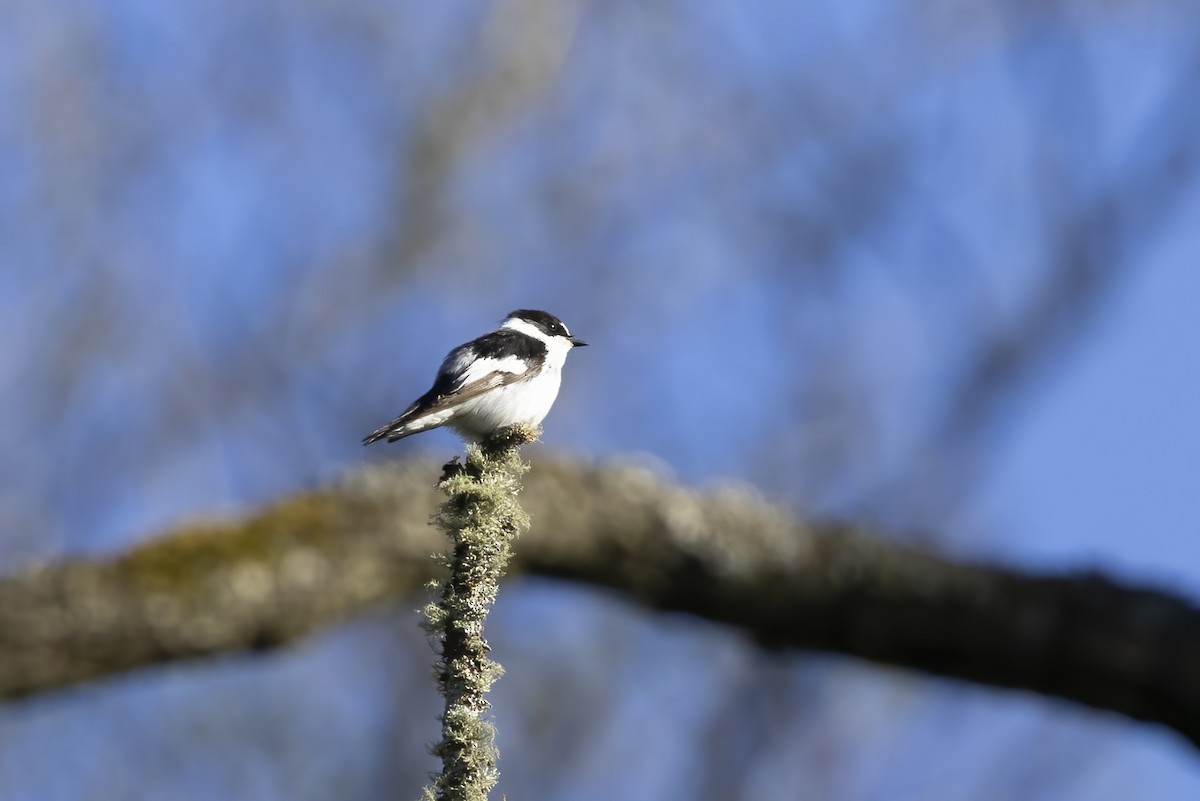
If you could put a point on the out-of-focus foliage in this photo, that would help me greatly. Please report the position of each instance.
(835, 249)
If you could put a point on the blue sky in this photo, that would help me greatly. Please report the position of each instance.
(1117, 423)
(237, 237)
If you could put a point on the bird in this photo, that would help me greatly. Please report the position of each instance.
(507, 376)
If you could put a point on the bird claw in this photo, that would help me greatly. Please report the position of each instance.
(452, 469)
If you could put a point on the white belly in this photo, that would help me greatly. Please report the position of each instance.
(523, 402)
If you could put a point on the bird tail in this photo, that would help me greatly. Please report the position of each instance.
(397, 429)
(381, 433)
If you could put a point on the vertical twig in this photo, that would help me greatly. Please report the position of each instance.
(481, 516)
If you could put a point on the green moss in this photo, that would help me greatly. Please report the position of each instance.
(482, 517)
(192, 556)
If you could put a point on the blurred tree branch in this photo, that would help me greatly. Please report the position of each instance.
(520, 50)
(1096, 237)
(728, 556)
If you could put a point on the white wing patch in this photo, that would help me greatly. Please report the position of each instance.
(481, 368)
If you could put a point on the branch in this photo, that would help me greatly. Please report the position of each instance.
(729, 556)
(482, 517)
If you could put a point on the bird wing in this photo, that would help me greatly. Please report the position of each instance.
(463, 376)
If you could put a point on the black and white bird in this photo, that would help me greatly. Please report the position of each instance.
(508, 376)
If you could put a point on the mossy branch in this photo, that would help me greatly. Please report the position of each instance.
(307, 561)
(481, 516)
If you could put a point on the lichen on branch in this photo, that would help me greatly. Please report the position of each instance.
(482, 516)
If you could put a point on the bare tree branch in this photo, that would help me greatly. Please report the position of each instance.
(727, 556)
(1096, 245)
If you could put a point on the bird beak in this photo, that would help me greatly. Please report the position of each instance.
(579, 343)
